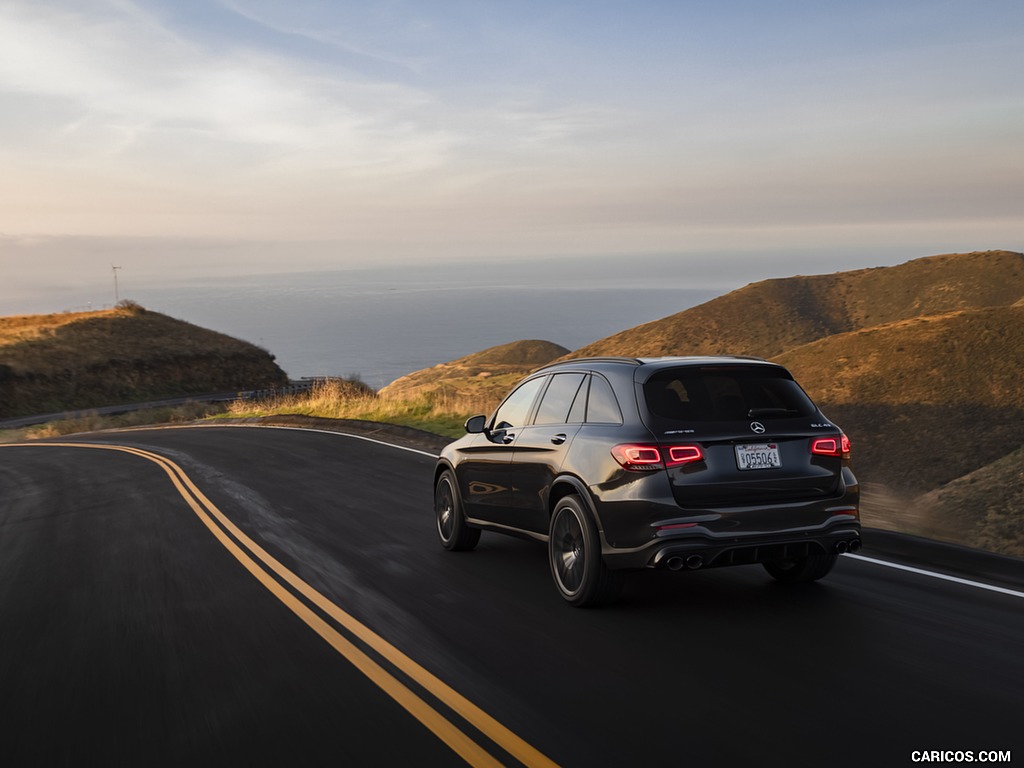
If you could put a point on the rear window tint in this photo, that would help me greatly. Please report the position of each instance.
(725, 394)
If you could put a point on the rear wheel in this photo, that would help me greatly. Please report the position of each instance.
(574, 552)
(802, 569)
(452, 529)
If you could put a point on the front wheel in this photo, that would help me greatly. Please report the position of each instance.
(802, 569)
(574, 553)
(452, 529)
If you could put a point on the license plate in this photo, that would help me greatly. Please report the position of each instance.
(759, 456)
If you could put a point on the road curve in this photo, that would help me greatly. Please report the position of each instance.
(132, 634)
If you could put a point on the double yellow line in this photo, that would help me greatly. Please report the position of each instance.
(248, 552)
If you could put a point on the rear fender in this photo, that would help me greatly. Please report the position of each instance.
(569, 485)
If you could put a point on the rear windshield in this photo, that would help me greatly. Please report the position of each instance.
(725, 393)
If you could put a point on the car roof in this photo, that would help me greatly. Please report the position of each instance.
(654, 363)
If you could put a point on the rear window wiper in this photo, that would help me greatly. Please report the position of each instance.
(755, 413)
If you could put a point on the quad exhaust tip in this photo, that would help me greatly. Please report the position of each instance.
(847, 546)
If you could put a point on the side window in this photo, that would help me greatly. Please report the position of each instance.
(558, 399)
(602, 407)
(516, 408)
(578, 412)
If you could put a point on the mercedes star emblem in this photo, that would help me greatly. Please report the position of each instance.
(757, 426)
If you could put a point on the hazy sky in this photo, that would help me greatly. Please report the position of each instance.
(221, 134)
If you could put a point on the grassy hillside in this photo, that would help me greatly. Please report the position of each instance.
(966, 357)
(478, 381)
(770, 317)
(80, 360)
(985, 507)
(919, 363)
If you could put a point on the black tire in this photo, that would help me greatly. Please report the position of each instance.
(453, 531)
(574, 553)
(801, 570)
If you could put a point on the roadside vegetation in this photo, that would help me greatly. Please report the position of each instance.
(484, 376)
(93, 422)
(438, 412)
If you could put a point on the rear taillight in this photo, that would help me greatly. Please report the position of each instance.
(640, 458)
(837, 445)
(684, 454)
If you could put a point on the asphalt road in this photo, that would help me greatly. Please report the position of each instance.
(277, 597)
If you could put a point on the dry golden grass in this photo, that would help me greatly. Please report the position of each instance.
(19, 328)
(482, 376)
(441, 413)
(959, 358)
(770, 317)
(51, 344)
(73, 361)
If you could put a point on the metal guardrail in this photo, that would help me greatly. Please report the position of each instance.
(273, 392)
(296, 387)
(300, 386)
(304, 384)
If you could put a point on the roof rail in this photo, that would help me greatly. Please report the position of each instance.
(670, 358)
(645, 360)
(606, 359)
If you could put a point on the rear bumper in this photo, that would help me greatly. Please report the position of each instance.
(642, 526)
(704, 549)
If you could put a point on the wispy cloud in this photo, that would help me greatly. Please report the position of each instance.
(376, 32)
(115, 81)
(500, 125)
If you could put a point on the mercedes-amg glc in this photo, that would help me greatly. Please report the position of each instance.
(676, 463)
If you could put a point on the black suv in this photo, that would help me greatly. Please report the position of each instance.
(674, 462)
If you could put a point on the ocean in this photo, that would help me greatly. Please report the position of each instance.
(382, 324)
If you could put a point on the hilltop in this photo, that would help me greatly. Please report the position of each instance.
(772, 316)
(482, 376)
(69, 361)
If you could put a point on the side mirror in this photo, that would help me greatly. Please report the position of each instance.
(476, 424)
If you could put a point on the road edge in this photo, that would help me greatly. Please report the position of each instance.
(951, 559)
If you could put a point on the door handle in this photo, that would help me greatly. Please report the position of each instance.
(558, 439)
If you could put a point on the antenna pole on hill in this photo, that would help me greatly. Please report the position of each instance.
(114, 269)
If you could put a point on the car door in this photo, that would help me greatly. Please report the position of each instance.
(484, 471)
(540, 449)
